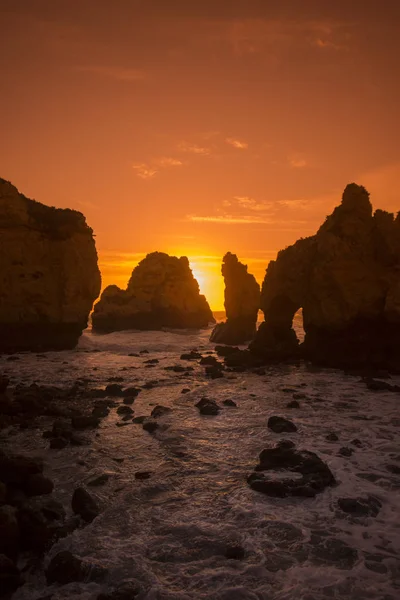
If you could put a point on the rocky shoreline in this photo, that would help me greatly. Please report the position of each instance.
(31, 521)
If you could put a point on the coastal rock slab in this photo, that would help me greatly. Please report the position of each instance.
(242, 301)
(345, 279)
(49, 277)
(161, 292)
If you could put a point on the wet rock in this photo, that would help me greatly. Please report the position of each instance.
(84, 505)
(214, 372)
(131, 392)
(334, 552)
(142, 474)
(149, 385)
(207, 407)
(395, 469)
(115, 379)
(151, 361)
(124, 410)
(293, 404)
(114, 390)
(58, 443)
(345, 451)
(3, 493)
(10, 578)
(281, 425)
(140, 419)
(229, 402)
(160, 411)
(41, 522)
(185, 390)
(356, 442)
(235, 552)
(360, 507)
(38, 485)
(66, 568)
(226, 350)
(210, 361)
(307, 475)
(150, 425)
(99, 480)
(376, 385)
(9, 531)
(176, 368)
(100, 410)
(285, 444)
(332, 437)
(4, 382)
(16, 469)
(192, 355)
(376, 567)
(127, 590)
(85, 422)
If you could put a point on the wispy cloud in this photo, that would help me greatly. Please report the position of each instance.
(169, 162)
(149, 170)
(251, 203)
(144, 171)
(239, 144)
(194, 148)
(296, 161)
(114, 72)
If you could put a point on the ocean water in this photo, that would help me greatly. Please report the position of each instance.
(170, 532)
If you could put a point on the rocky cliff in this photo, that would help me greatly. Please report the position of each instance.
(49, 276)
(242, 301)
(161, 292)
(346, 279)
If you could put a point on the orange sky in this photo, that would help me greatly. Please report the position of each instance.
(198, 127)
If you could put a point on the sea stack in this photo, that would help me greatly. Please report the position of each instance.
(161, 292)
(49, 276)
(346, 279)
(242, 302)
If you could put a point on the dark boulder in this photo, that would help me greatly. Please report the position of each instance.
(41, 522)
(281, 425)
(307, 474)
(84, 505)
(360, 507)
(208, 407)
(160, 411)
(10, 578)
(66, 568)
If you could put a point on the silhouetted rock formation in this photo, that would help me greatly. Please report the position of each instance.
(161, 292)
(346, 279)
(49, 276)
(242, 301)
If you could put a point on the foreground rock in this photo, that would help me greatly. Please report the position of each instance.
(307, 474)
(48, 274)
(161, 292)
(345, 278)
(242, 301)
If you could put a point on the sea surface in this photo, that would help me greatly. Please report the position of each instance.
(170, 532)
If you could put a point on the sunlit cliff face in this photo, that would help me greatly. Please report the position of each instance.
(197, 128)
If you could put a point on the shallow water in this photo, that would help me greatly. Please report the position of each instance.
(170, 532)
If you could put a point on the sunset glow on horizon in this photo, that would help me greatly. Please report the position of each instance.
(198, 128)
